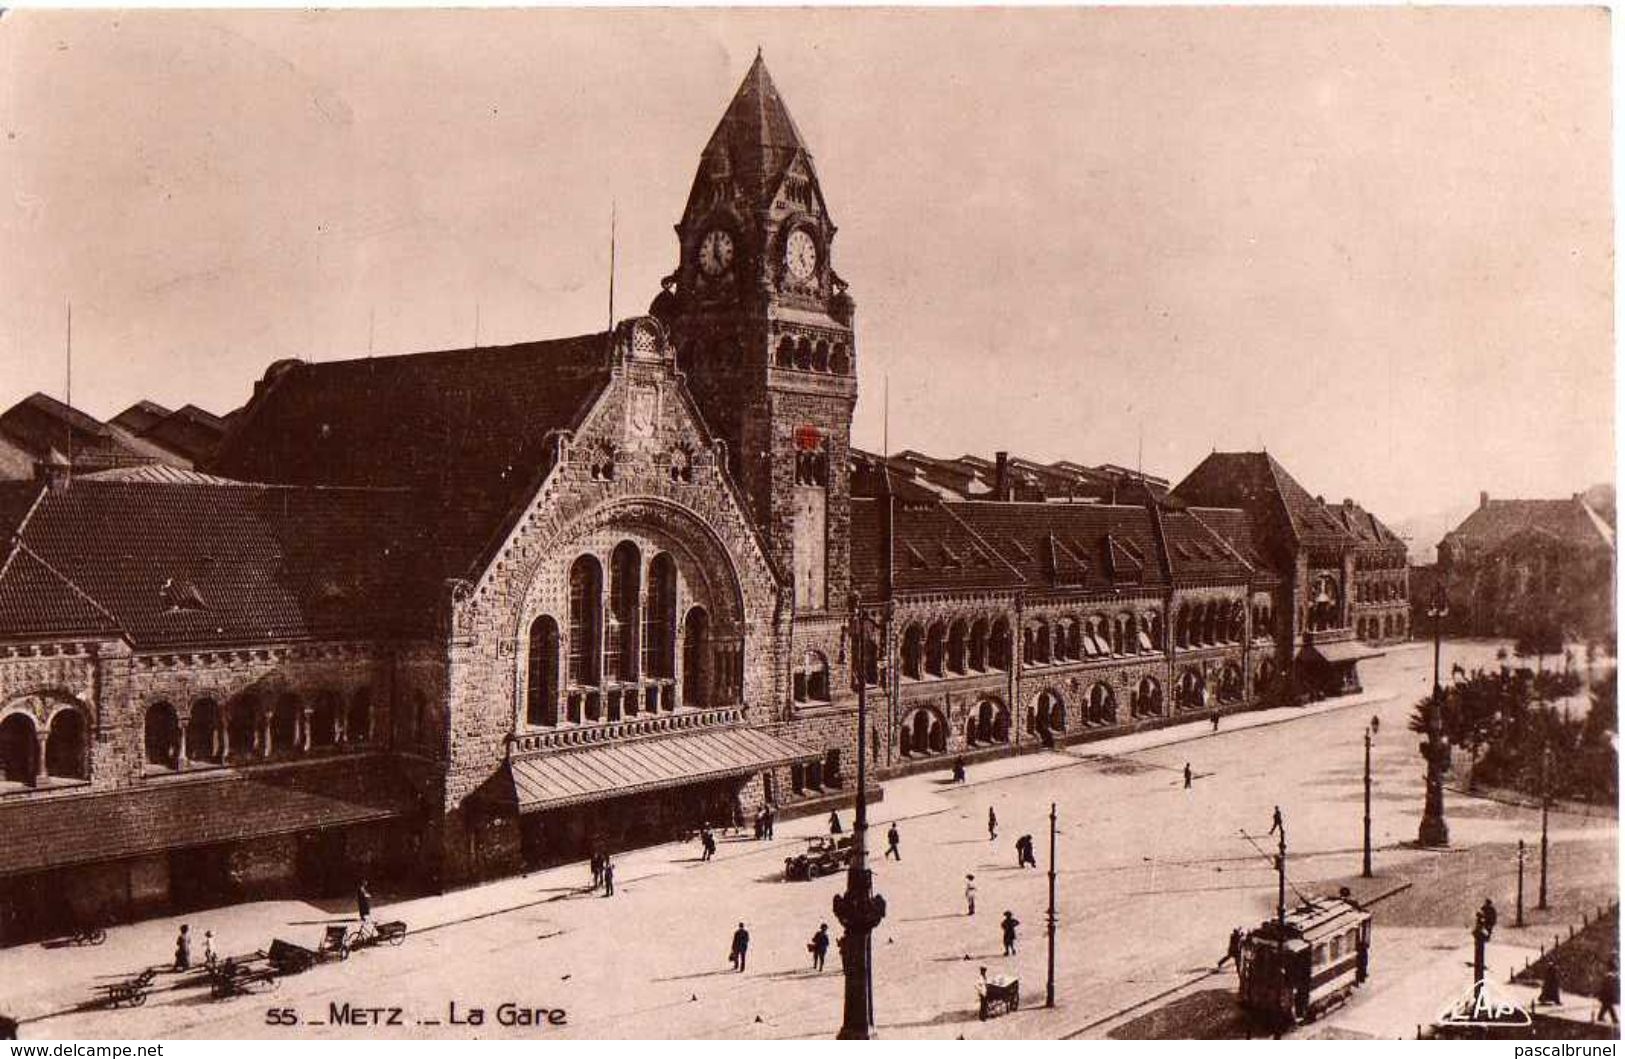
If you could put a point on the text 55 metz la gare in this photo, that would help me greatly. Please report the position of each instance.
(508, 1013)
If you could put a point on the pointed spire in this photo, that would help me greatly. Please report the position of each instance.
(756, 139)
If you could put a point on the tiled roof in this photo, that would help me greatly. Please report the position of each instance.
(467, 430)
(48, 429)
(195, 564)
(1195, 550)
(155, 472)
(1363, 525)
(1497, 521)
(933, 550)
(1255, 482)
(1092, 547)
(173, 814)
(1237, 530)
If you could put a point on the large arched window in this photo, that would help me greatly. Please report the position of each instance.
(914, 652)
(923, 732)
(990, 723)
(660, 619)
(956, 647)
(978, 645)
(1231, 685)
(936, 647)
(1035, 643)
(324, 719)
(542, 673)
(285, 724)
(1191, 693)
(696, 657)
(1051, 712)
(625, 596)
(203, 732)
(1147, 699)
(17, 748)
(243, 727)
(812, 678)
(161, 736)
(65, 746)
(358, 723)
(998, 646)
(1102, 707)
(586, 637)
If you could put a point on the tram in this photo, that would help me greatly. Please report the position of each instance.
(1304, 961)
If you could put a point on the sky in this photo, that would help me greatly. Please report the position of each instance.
(1377, 242)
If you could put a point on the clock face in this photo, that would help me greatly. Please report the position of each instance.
(800, 254)
(716, 252)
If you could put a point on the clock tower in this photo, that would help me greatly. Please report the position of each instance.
(763, 327)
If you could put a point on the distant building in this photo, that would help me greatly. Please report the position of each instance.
(40, 435)
(1512, 561)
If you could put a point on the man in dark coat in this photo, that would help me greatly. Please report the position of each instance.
(1608, 994)
(1233, 952)
(363, 901)
(741, 943)
(892, 838)
(1024, 852)
(834, 822)
(1008, 925)
(1489, 914)
(819, 946)
(1187, 775)
(609, 878)
(992, 824)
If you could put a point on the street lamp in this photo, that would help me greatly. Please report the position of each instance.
(1365, 866)
(1434, 831)
(1545, 808)
(859, 909)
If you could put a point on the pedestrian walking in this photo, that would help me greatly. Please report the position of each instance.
(1232, 952)
(597, 861)
(1187, 775)
(992, 824)
(183, 948)
(1215, 722)
(892, 838)
(209, 955)
(1024, 852)
(1008, 925)
(708, 844)
(970, 895)
(959, 770)
(609, 878)
(1608, 993)
(1489, 916)
(741, 943)
(761, 823)
(363, 901)
(772, 815)
(819, 945)
(1276, 824)
(1551, 986)
(834, 822)
(1376, 723)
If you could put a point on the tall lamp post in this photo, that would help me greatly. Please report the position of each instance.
(1365, 864)
(1434, 831)
(1050, 917)
(859, 909)
(1545, 809)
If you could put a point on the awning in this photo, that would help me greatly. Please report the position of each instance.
(555, 779)
(164, 813)
(1342, 651)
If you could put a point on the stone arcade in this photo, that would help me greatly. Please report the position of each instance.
(439, 617)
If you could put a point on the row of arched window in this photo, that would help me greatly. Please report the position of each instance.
(962, 647)
(805, 354)
(1379, 591)
(1207, 624)
(247, 728)
(1385, 628)
(1095, 636)
(621, 656)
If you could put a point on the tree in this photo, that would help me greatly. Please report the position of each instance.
(1539, 636)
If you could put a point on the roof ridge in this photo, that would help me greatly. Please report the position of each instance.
(1223, 543)
(22, 524)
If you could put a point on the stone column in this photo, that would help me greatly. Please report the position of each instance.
(40, 774)
(301, 737)
(265, 732)
(183, 723)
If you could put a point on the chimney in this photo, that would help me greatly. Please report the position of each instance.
(1483, 498)
(1001, 476)
(1347, 503)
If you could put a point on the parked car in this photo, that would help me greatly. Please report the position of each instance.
(823, 856)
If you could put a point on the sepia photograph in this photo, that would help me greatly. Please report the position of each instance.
(767, 524)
